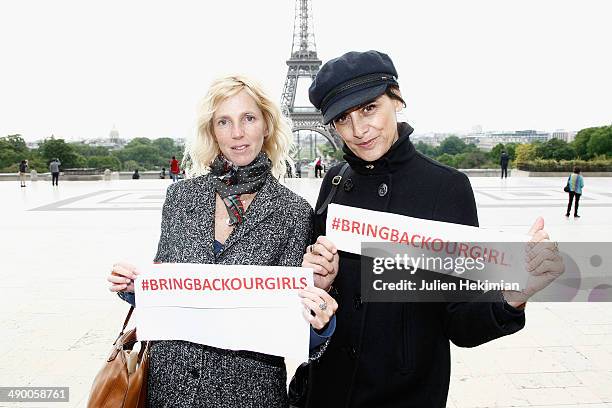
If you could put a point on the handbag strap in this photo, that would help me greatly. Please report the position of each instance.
(127, 319)
(335, 183)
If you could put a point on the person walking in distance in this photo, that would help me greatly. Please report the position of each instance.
(318, 168)
(54, 169)
(503, 161)
(174, 169)
(23, 169)
(575, 182)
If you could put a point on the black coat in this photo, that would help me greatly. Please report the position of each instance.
(398, 354)
(504, 159)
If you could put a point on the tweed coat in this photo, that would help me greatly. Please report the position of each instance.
(275, 231)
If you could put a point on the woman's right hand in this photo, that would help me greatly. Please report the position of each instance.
(322, 257)
(122, 277)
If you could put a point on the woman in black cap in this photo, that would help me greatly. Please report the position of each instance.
(393, 354)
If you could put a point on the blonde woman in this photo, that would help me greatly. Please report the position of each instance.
(231, 210)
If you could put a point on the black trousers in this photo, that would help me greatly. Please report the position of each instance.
(54, 178)
(569, 205)
(318, 171)
(504, 172)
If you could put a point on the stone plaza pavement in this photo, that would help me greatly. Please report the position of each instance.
(58, 318)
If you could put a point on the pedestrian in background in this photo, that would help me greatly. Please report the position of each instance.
(503, 162)
(575, 182)
(23, 168)
(54, 169)
(162, 174)
(318, 168)
(174, 169)
(135, 176)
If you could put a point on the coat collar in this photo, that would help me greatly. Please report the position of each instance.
(262, 206)
(396, 157)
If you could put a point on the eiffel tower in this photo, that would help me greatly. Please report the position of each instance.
(304, 63)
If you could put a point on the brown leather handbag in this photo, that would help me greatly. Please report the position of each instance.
(122, 381)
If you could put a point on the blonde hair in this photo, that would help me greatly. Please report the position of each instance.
(202, 149)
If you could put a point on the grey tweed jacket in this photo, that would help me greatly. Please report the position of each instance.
(276, 230)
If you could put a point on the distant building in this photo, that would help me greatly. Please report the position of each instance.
(561, 134)
(433, 139)
(114, 142)
(489, 140)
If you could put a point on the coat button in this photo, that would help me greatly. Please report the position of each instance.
(352, 353)
(382, 190)
(194, 373)
(348, 185)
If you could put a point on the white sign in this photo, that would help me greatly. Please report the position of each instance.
(237, 307)
(349, 227)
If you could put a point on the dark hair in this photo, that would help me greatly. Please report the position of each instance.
(393, 92)
(576, 169)
(173, 158)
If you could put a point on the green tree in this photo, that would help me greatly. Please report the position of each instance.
(511, 150)
(496, 152)
(525, 152)
(130, 165)
(138, 141)
(13, 150)
(600, 142)
(104, 162)
(452, 145)
(447, 159)
(165, 145)
(426, 149)
(555, 149)
(470, 160)
(581, 141)
(65, 152)
(147, 156)
(168, 147)
(86, 150)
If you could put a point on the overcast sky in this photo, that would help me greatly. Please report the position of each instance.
(76, 68)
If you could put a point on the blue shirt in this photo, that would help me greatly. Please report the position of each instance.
(576, 182)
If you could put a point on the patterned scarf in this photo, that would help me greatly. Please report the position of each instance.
(230, 181)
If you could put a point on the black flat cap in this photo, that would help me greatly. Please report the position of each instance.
(351, 80)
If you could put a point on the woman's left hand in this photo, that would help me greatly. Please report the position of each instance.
(543, 263)
(320, 303)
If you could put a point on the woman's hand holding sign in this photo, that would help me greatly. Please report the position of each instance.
(122, 277)
(322, 257)
(543, 263)
(319, 306)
